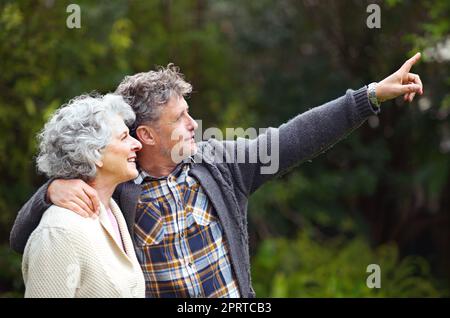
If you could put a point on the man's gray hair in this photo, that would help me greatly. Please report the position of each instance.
(72, 141)
(148, 92)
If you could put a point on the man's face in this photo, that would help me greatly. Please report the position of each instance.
(175, 129)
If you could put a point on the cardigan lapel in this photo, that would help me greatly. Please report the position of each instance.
(106, 224)
(127, 243)
(214, 194)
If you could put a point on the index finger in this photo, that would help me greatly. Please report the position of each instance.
(409, 63)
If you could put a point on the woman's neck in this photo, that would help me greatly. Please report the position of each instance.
(105, 188)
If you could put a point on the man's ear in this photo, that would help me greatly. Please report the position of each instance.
(146, 135)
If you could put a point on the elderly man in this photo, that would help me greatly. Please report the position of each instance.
(188, 215)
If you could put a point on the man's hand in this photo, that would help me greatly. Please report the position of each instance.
(401, 82)
(74, 195)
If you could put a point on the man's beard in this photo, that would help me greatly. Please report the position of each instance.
(187, 149)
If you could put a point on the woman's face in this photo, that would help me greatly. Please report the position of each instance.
(119, 156)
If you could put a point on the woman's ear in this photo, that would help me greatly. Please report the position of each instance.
(146, 135)
(99, 163)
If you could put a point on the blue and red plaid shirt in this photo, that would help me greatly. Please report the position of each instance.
(179, 239)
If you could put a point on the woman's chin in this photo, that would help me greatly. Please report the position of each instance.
(130, 174)
(133, 173)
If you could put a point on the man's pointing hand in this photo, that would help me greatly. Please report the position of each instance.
(402, 82)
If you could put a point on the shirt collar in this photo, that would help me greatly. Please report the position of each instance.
(144, 175)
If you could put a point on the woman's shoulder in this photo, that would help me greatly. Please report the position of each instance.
(56, 217)
(64, 227)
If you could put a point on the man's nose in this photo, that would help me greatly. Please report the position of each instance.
(136, 146)
(193, 123)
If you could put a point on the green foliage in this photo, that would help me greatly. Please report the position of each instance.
(311, 266)
(11, 282)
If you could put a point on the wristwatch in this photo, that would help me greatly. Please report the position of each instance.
(372, 95)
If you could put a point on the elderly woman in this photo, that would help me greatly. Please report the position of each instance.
(69, 255)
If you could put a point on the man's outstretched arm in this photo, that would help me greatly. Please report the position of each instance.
(315, 131)
(70, 194)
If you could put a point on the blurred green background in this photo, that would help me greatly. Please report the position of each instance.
(381, 196)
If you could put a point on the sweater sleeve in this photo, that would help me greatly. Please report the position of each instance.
(50, 266)
(302, 138)
(28, 218)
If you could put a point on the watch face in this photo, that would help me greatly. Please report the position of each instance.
(374, 101)
(372, 97)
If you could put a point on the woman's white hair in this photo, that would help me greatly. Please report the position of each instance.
(72, 141)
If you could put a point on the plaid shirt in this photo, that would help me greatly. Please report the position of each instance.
(179, 239)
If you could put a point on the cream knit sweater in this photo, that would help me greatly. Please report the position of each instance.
(71, 256)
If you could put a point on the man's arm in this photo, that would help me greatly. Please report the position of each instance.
(28, 218)
(302, 138)
(69, 194)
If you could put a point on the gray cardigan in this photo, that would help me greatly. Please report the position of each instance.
(229, 184)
